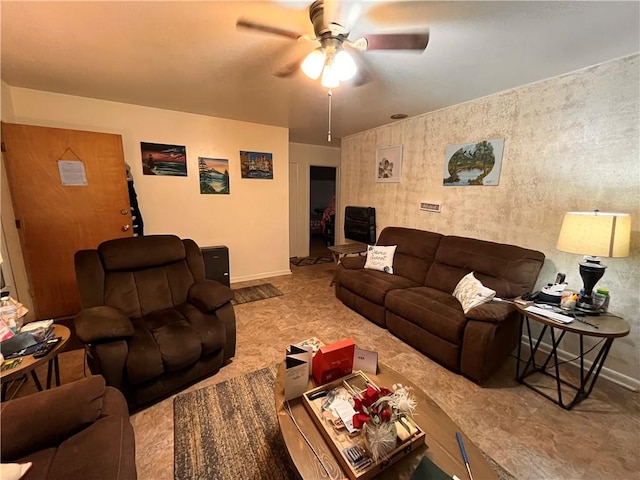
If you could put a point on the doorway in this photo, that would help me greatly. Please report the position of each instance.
(322, 194)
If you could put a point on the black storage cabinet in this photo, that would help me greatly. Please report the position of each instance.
(216, 263)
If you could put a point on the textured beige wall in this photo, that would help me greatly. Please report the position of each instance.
(571, 143)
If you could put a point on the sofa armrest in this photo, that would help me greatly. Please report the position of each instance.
(45, 419)
(102, 323)
(208, 295)
(353, 262)
(492, 312)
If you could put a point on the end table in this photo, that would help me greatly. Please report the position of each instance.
(606, 326)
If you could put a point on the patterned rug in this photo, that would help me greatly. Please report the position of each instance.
(305, 261)
(252, 294)
(230, 431)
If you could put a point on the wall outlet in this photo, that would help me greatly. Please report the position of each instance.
(431, 207)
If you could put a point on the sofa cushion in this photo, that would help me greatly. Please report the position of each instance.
(62, 412)
(415, 253)
(163, 341)
(142, 252)
(371, 284)
(430, 309)
(92, 453)
(380, 258)
(507, 269)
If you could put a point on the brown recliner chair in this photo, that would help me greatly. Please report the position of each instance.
(78, 430)
(151, 322)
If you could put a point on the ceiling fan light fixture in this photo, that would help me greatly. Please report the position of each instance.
(313, 64)
(344, 65)
(330, 78)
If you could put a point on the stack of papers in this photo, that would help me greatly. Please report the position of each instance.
(558, 317)
(27, 327)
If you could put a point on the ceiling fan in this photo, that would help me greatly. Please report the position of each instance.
(330, 59)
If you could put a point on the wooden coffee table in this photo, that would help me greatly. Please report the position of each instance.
(30, 363)
(440, 437)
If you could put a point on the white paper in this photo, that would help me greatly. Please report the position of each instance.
(72, 172)
(297, 372)
(346, 412)
(365, 360)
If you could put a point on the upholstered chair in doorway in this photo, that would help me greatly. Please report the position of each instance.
(151, 322)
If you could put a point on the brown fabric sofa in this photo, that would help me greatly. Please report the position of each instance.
(151, 321)
(416, 302)
(78, 430)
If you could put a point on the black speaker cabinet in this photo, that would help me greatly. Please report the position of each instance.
(216, 263)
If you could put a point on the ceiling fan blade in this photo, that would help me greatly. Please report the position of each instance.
(363, 74)
(241, 23)
(397, 41)
(289, 69)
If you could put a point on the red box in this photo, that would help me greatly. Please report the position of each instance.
(333, 361)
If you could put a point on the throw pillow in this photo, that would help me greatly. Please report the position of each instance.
(13, 471)
(470, 292)
(380, 258)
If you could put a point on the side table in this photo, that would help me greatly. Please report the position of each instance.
(608, 327)
(30, 363)
(339, 251)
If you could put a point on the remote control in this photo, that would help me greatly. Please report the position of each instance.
(46, 348)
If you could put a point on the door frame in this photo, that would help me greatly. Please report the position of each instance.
(13, 264)
(304, 156)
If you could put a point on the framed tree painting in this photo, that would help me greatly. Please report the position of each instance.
(388, 166)
(473, 163)
(214, 175)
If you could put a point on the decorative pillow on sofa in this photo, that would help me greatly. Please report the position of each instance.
(380, 258)
(470, 292)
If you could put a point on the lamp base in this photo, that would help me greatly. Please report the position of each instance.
(587, 308)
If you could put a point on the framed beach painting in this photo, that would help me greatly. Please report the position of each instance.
(256, 165)
(161, 159)
(214, 175)
(473, 163)
(388, 166)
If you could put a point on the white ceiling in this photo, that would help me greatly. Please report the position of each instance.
(188, 56)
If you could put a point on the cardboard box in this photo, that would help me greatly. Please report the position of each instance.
(333, 361)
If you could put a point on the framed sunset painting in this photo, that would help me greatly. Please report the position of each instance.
(166, 160)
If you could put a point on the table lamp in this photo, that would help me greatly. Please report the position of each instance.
(594, 234)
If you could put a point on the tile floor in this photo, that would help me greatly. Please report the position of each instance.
(524, 432)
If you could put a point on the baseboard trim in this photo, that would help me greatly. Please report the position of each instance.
(259, 276)
(616, 377)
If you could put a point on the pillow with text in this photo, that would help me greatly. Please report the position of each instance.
(380, 258)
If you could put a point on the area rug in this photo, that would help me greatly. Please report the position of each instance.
(230, 431)
(305, 261)
(252, 294)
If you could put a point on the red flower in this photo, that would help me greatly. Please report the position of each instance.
(385, 415)
(359, 419)
(366, 408)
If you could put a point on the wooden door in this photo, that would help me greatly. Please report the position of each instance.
(56, 214)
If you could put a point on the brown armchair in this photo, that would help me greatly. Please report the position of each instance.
(78, 430)
(151, 322)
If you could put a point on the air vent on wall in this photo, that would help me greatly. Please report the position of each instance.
(430, 207)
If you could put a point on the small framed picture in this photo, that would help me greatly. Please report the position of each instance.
(388, 166)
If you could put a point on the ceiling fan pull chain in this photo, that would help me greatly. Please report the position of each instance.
(330, 93)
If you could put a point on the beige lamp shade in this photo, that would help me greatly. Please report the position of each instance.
(598, 234)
